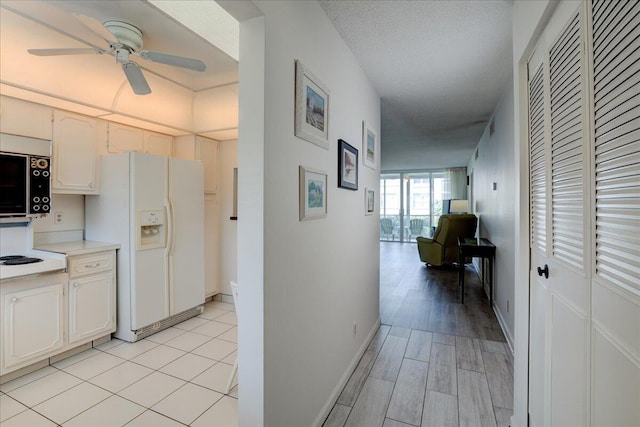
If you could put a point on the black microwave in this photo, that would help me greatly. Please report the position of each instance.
(25, 184)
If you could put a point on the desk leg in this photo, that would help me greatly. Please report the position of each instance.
(482, 279)
(461, 276)
(491, 281)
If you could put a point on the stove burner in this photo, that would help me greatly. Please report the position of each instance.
(8, 257)
(18, 260)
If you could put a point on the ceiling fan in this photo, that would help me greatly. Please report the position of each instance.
(124, 40)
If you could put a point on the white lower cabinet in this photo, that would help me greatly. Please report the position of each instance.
(48, 314)
(91, 311)
(91, 297)
(32, 320)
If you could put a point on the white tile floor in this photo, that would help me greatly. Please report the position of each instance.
(173, 378)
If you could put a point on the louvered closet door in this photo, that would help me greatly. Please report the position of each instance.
(559, 189)
(616, 280)
(537, 218)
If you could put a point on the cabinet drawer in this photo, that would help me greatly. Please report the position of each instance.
(89, 264)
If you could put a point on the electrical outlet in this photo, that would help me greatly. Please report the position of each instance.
(58, 218)
(355, 328)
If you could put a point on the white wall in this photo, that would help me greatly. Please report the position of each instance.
(227, 161)
(251, 248)
(497, 209)
(321, 276)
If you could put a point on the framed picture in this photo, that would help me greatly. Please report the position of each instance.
(369, 146)
(312, 108)
(313, 194)
(369, 201)
(347, 165)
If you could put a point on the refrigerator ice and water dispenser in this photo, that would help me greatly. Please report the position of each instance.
(151, 229)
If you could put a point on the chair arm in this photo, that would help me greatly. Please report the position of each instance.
(430, 251)
(421, 239)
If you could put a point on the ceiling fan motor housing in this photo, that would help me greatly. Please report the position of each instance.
(127, 34)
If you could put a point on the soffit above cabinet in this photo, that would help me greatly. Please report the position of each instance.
(95, 84)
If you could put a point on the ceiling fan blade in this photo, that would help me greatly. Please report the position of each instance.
(177, 61)
(69, 51)
(97, 27)
(136, 78)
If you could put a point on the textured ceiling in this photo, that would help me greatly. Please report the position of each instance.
(440, 68)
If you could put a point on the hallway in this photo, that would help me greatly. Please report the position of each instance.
(433, 362)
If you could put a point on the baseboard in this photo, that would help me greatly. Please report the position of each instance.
(503, 326)
(223, 298)
(501, 321)
(333, 397)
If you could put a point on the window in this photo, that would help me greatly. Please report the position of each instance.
(411, 204)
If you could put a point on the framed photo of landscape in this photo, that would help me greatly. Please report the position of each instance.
(369, 201)
(369, 146)
(313, 193)
(312, 108)
(347, 165)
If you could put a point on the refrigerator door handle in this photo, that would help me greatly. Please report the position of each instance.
(172, 229)
(169, 209)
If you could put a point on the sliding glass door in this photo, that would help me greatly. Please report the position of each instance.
(390, 206)
(411, 204)
(417, 212)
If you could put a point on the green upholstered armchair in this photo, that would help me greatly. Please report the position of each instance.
(443, 248)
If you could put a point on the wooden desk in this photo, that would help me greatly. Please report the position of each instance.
(478, 248)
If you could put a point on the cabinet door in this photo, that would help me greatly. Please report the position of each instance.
(91, 307)
(124, 138)
(157, 143)
(211, 245)
(208, 153)
(74, 154)
(24, 118)
(32, 324)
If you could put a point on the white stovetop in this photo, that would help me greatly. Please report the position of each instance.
(50, 262)
(54, 257)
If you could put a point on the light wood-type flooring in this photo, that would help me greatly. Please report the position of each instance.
(434, 361)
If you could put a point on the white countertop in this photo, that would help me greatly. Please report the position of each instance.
(79, 247)
(50, 262)
(54, 257)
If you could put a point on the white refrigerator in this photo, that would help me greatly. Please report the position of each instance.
(154, 207)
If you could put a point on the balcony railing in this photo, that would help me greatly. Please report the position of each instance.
(390, 228)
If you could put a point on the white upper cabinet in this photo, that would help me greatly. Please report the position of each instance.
(24, 118)
(127, 138)
(157, 143)
(124, 138)
(75, 158)
(208, 153)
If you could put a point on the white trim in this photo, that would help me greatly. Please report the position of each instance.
(498, 313)
(503, 326)
(333, 397)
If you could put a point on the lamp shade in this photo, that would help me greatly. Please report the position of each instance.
(459, 206)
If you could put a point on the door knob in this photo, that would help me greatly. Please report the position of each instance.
(544, 271)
